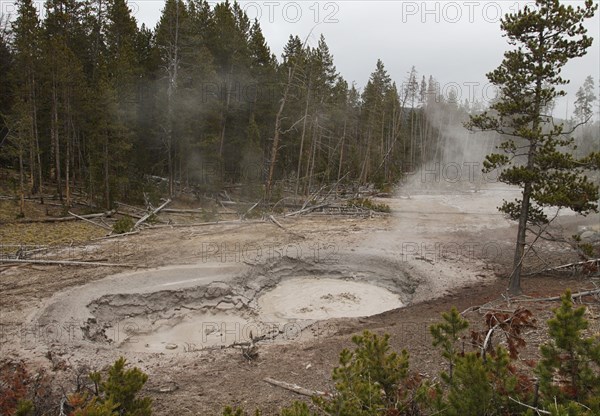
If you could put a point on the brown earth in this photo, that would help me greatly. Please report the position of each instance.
(201, 382)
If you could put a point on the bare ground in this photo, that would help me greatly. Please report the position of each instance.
(434, 252)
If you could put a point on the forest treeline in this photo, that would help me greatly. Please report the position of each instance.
(95, 104)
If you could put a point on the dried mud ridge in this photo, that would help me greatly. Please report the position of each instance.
(239, 297)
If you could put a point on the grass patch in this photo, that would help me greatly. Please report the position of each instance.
(367, 203)
(48, 233)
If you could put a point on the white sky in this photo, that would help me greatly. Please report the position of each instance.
(457, 42)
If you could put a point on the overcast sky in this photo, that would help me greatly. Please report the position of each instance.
(457, 42)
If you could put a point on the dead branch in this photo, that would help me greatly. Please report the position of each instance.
(154, 212)
(566, 266)
(90, 221)
(470, 309)
(203, 224)
(250, 210)
(115, 235)
(277, 223)
(295, 388)
(68, 263)
(182, 211)
(538, 411)
(553, 298)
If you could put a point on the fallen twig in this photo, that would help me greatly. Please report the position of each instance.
(295, 388)
(305, 210)
(277, 223)
(116, 235)
(68, 263)
(539, 411)
(61, 219)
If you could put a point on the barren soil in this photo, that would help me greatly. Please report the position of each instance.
(300, 292)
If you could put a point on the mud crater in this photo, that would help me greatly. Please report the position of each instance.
(274, 302)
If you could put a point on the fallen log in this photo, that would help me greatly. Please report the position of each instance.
(63, 219)
(204, 224)
(183, 211)
(68, 263)
(295, 388)
(305, 210)
(90, 221)
(154, 212)
(251, 208)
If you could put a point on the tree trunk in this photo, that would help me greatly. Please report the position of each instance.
(225, 111)
(56, 141)
(342, 152)
(302, 140)
(21, 181)
(106, 176)
(275, 146)
(514, 287)
(311, 171)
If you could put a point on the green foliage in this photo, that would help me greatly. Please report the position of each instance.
(230, 411)
(123, 225)
(367, 379)
(25, 408)
(446, 334)
(297, 409)
(117, 395)
(483, 387)
(570, 364)
(98, 407)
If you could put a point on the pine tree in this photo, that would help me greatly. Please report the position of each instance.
(27, 37)
(367, 379)
(374, 119)
(446, 335)
(169, 40)
(584, 102)
(570, 364)
(118, 394)
(546, 37)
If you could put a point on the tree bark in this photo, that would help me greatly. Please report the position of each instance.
(275, 146)
(514, 287)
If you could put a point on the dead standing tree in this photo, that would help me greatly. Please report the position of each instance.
(278, 118)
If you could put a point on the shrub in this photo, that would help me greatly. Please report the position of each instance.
(117, 396)
(367, 379)
(569, 368)
(123, 225)
(445, 335)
